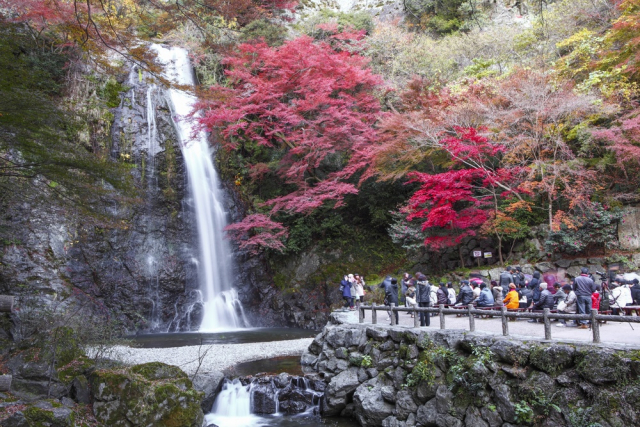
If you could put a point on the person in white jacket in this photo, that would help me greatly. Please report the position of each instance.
(615, 297)
(625, 296)
(358, 286)
(451, 293)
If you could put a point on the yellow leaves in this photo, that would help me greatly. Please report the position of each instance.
(520, 204)
(560, 218)
(501, 223)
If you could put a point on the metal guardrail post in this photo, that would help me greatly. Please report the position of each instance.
(441, 316)
(374, 314)
(472, 320)
(5, 382)
(6, 303)
(392, 314)
(547, 324)
(505, 321)
(595, 326)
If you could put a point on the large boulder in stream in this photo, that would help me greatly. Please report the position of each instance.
(152, 394)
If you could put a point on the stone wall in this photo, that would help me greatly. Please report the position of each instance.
(394, 376)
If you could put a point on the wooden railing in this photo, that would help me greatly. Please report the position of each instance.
(546, 316)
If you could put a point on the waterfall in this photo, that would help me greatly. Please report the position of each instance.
(222, 308)
(264, 399)
(233, 406)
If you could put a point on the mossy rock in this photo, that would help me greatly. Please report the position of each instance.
(552, 359)
(75, 368)
(150, 394)
(48, 413)
(158, 371)
(600, 367)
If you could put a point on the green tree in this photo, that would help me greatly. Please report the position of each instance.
(34, 147)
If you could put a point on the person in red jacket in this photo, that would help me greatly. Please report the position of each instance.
(595, 300)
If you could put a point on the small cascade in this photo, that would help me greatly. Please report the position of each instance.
(246, 401)
(232, 406)
(222, 306)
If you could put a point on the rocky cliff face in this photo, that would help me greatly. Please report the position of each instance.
(141, 267)
(393, 376)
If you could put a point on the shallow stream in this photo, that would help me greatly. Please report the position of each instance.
(241, 336)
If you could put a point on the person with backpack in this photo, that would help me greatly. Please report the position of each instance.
(518, 277)
(390, 286)
(423, 297)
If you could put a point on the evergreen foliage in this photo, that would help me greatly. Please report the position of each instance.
(34, 148)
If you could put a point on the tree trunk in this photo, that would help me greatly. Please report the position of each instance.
(6, 303)
(5, 382)
(500, 249)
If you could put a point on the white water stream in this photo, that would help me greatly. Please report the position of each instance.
(222, 308)
(233, 406)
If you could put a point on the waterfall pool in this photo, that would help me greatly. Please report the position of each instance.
(301, 420)
(241, 336)
(273, 366)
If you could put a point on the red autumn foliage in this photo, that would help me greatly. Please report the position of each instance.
(307, 102)
(257, 232)
(456, 203)
(623, 138)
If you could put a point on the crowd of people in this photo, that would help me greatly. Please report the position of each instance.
(512, 289)
(352, 288)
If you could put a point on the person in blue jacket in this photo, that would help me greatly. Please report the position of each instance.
(486, 297)
(345, 287)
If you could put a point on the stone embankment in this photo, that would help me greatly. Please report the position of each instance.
(401, 377)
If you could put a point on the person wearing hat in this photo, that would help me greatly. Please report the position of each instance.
(345, 288)
(546, 298)
(584, 287)
(512, 300)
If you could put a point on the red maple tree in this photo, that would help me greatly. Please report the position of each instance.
(457, 202)
(312, 106)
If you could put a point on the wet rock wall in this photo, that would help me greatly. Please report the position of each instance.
(393, 376)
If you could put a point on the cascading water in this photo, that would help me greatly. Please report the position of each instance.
(222, 308)
(233, 406)
(258, 401)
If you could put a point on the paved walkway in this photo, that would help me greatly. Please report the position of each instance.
(627, 334)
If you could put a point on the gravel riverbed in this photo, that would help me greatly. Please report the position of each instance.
(214, 357)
